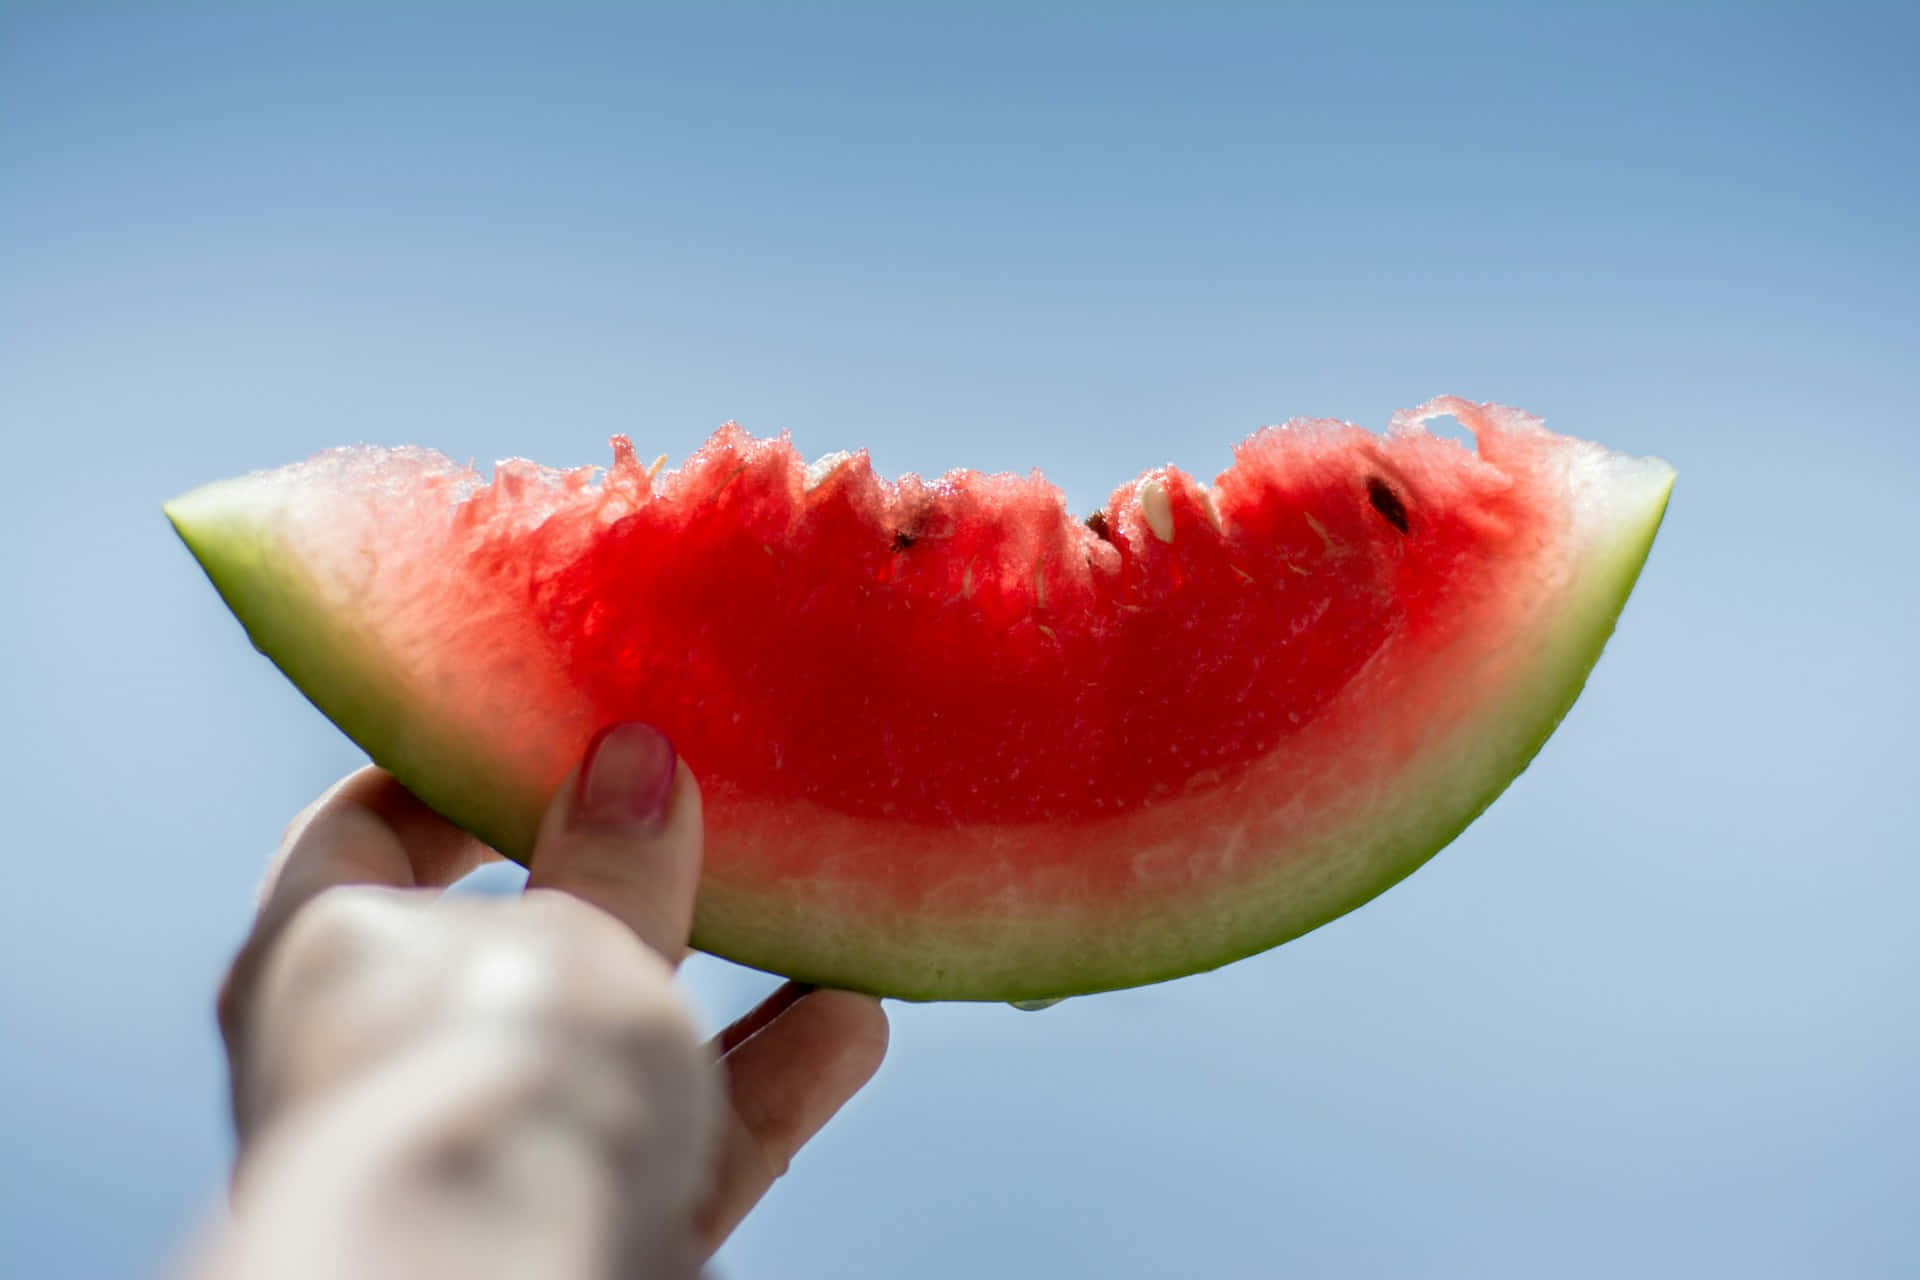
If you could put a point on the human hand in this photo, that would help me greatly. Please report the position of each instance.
(424, 1085)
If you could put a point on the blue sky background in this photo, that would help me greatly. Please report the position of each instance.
(1654, 1014)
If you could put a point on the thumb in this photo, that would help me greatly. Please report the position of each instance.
(624, 834)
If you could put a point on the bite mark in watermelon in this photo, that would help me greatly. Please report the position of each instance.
(954, 742)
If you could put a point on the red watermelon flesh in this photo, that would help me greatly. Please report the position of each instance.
(955, 742)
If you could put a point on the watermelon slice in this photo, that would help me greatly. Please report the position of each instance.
(954, 742)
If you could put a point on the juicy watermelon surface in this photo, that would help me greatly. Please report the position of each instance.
(955, 741)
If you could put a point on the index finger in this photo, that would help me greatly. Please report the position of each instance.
(366, 829)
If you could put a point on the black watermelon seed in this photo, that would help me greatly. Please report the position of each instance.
(1098, 523)
(1387, 502)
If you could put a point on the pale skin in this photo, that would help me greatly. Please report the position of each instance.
(430, 1086)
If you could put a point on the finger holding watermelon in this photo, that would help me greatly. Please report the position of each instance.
(519, 1076)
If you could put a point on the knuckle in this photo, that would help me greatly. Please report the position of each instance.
(333, 940)
(348, 918)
